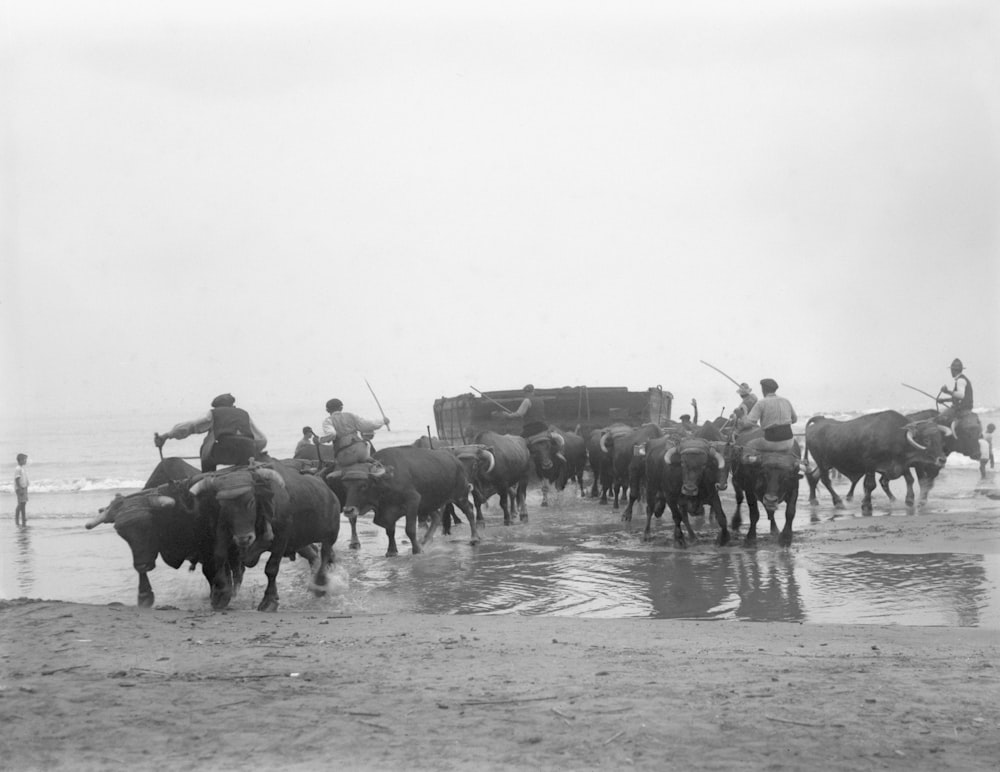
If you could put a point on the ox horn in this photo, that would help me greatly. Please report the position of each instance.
(721, 461)
(270, 474)
(204, 484)
(99, 518)
(493, 461)
(560, 440)
(669, 457)
(912, 441)
(604, 442)
(336, 474)
(161, 502)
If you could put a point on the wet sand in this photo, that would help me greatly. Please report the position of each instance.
(110, 687)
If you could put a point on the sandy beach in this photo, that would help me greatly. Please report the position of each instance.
(109, 687)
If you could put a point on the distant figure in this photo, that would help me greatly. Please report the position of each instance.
(687, 423)
(21, 489)
(984, 456)
(307, 440)
(532, 412)
(749, 400)
(350, 434)
(959, 395)
(776, 416)
(232, 437)
(988, 436)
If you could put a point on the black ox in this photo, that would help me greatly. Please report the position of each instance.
(885, 443)
(406, 482)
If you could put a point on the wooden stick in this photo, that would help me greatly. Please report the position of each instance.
(506, 410)
(379, 405)
(720, 371)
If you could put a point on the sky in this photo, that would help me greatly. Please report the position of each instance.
(285, 200)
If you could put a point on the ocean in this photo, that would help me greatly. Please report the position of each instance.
(574, 558)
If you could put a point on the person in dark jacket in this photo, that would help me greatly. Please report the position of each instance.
(959, 399)
(231, 437)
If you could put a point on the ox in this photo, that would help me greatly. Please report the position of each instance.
(599, 456)
(574, 450)
(885, 443)
(622, 447)
(685, 476)
(771, 477)
(497, 465)
(546, 449)
(406, 482)
(163, 519)
(300, 508)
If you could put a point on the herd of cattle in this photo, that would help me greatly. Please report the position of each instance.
(227, 520)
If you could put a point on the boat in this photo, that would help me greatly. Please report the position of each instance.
(571, 408)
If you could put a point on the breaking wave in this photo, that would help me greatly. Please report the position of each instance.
(77, 484)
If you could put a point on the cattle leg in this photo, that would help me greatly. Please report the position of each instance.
(751, 538)
(720, 517)
(678, 517)
(412, 508)
(883, 482)
(910, 496)
(355, 541)
(222, 586)
(467, 510)
(522, 500)
(545, 493)
(325, 563)
(823, 474)
(785, 540)
(146, 595)
(270, 600)
(866, 502)
(653, 509)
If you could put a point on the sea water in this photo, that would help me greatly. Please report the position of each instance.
(575, 557)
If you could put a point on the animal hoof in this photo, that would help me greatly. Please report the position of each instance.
(268, 605)
(146, 600)
(474, 542)
(355, 545)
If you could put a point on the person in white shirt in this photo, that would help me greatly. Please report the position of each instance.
(21, 489)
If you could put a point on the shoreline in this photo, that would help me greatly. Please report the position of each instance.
(112, 687)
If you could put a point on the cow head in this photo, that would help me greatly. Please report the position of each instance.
(545, 449)
(242, 496)
(700, 463)
(363, 484)
(479, 461)
(776, 475)
(926, 441)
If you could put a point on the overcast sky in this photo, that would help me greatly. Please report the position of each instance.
(282, 200)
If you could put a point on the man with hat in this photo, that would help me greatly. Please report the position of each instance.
(231, 437)
(532, 413)
(349, 433)
(776, 416)
(749, 400)
(960, 395)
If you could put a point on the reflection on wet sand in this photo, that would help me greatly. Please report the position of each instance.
(24, 559)
(933, 589)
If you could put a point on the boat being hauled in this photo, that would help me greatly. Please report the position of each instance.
(571, 408)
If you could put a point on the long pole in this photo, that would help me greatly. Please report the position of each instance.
(379, 405)
(926, 394)
(720, 371)
(506, 410)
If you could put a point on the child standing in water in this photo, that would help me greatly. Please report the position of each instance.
(21, 489)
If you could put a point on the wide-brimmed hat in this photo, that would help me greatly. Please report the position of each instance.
(224, 400)
(956, 363)
(528, 387)
(769, 384)
(744, 389)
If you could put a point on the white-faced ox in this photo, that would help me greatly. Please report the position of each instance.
(406, 482)
(885, 443)
(300, 507)
(165, 520)
(684, 476)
